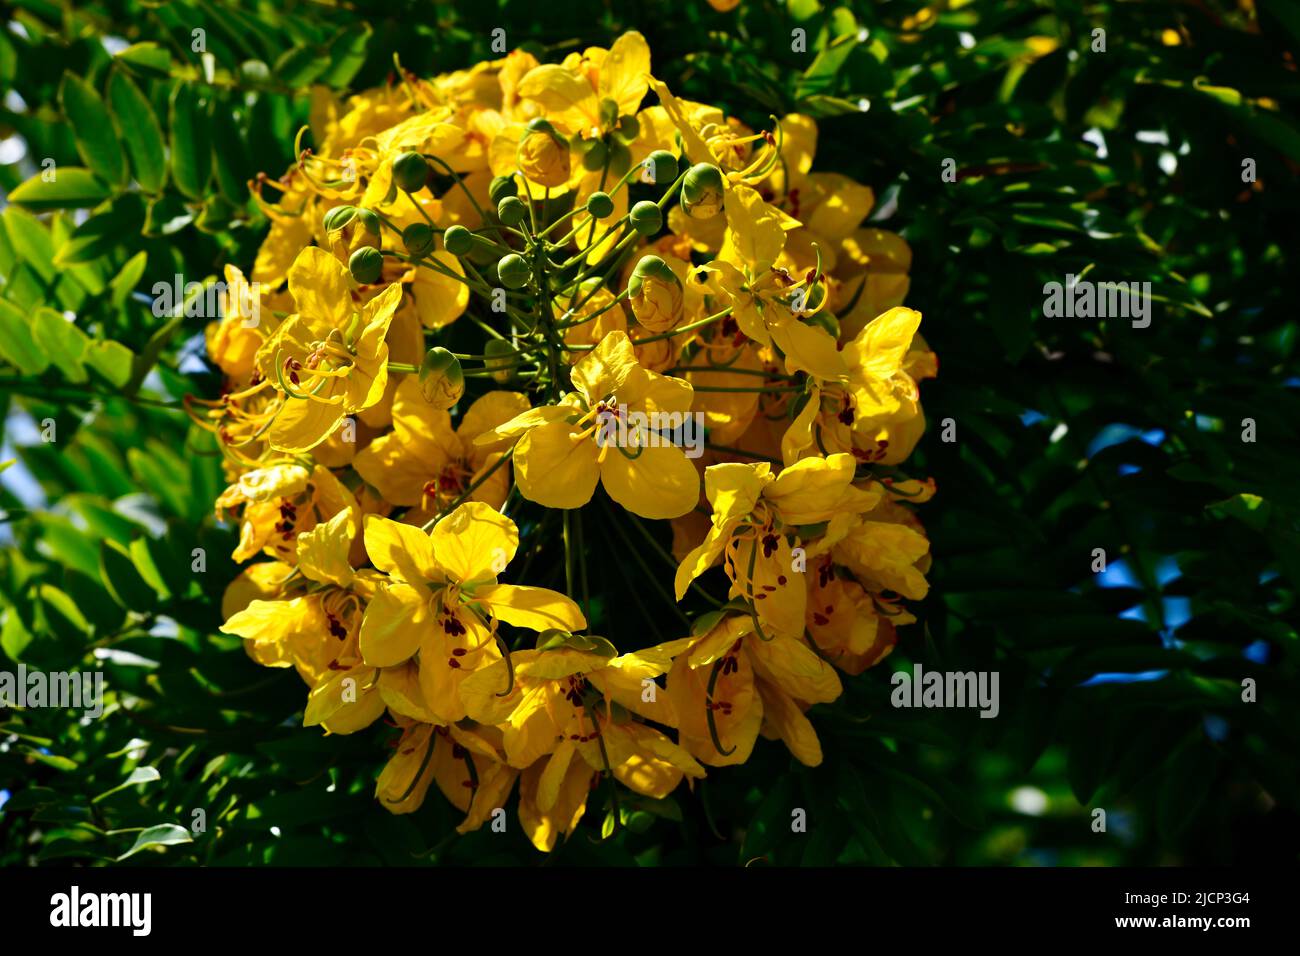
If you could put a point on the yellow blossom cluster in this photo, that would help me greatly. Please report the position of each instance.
(617, 252)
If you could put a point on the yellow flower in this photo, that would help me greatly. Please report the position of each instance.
(442, 600)
(578, 700)
(330, 358)
(313, 624)
(562, 454)
(875, 415)
(588, 94)
(854, 628)
(291, 227)
(234, 339)
(277, 503)
(463, 761)
(731, 683)
(756, 525)
(767, 307)
(424, 463)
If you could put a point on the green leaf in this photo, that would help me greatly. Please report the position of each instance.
(122, 219)
(72, 187)
(128, 278)
(97, 143)
(164, 834)
(148, 57)
(17, 343)
(62, 341)
(111, 359)
(141, 131)
(191, 143)
(138, 775)
(122, 579)
(166, 215)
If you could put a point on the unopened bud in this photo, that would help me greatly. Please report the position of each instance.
(661, 166)
(442, 381)
(369, 220)
(646, 218)
(338, 217)
(499, 353)
(458, 240)
(410, 172)
(543, 154)
(655, 293)
(366, 265)
(600, 205)
(501, 187)
(419, 239)
(702, 191)
(511, 211)
(513, 271)
(594, 156)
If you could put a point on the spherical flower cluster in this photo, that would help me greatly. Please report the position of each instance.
(618, 263)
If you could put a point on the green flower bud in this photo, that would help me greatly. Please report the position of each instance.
(419, 239)
(338, 217)
(369, 220)
(511, 211)
(702, 191)
(458, 240)
(600, 205)
(595, 156)
(540, 125)
(655, 294)
(410, 172)
(366, 265)
(513, 271)
(442, 381)
(499, 353)
(646, 218)
(629, 128)
(661, 167)
(501, 187)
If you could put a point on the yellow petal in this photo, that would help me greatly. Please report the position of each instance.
(808, 348)
(531, 607)
(323, 551)
(567, 98)
(660, 483)
(754, 232)
(394, 623)
(783, 718)
(555, 470)
(624, 76)
(733, 488)
(603, 370)
(401, 550)
(301, 425)
(319, 285)
(474, 542)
